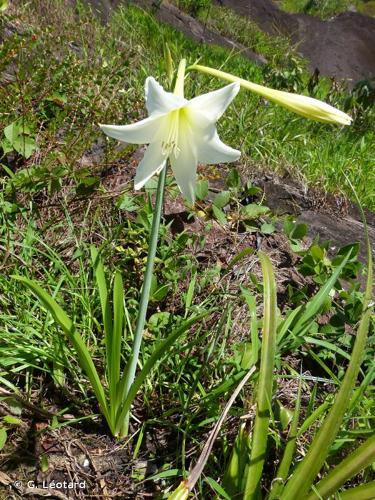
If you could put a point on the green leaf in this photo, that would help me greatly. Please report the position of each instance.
(6, 146)
(267, 228)
(265, 381)
(11, 132)
(289, 451)
(363, 492)
(103, 291)
(190, 293)
(217, 488)
(164, 474)
(253, 211)
(127, 203)
(222, 199)
(9, 419)
(295, 231)
(201, 189)
(304, 475)
(316, 252)
(160, 293)
(160, 350)
(314, 306)
(115, 344)
(25, 145)
(154, 285)
(3, 5)
(239, 460)
(286, 416)
(219, 215)
(3, 437)
(233, 180)
(44, 465)
(242, 254)
(255, 342)
(356, 461)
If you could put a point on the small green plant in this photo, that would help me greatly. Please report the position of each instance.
(18, 136)
(3, 5)
(7, 422)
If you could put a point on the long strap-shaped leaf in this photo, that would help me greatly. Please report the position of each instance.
(359, 459)
(264, 393)
(67, 325)
(104, 302)
(118, 324)
(363, 492)
(301, 481)
(283, 470)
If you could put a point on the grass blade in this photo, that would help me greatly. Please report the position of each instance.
(363, 492)
(285, 326)
(314, 416)
(358, 460)
(283, 470)
(255, 342)
(159, 351)
(188, 484)
(104, 302)
(232, 480)
(264, 393)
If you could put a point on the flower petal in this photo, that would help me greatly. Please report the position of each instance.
(142, 132)
(153, 162)
(212, 105)
(184, 165)
(210, 149)
(158, 100)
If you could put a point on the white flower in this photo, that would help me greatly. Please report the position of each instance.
(179, 130)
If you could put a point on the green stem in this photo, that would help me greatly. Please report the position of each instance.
(145, 294)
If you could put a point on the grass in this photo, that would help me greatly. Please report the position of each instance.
(64, 188)
(327, 8)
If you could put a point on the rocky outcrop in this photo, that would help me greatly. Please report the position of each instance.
(342, 47)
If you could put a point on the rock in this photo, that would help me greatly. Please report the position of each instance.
(342, 47)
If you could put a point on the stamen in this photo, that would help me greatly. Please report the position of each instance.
(170, 144)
